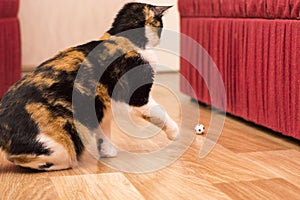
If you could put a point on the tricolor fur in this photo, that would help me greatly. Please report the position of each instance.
(37, 123)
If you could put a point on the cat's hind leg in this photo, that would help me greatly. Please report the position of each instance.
(103, 136)
(154, 113)
(57, 159)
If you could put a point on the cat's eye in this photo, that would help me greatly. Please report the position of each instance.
(155, 23)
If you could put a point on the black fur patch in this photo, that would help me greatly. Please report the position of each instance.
(131, 17)
(70, 128)
(46, 166)
(130, 23)
(83, 111)
(88, 47)
(23, 131)
(99, 144)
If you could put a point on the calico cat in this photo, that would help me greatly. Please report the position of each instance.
(37, 116)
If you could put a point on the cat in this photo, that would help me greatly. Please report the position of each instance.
(37, 117)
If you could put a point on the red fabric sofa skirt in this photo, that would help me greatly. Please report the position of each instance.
(259, 61)
(10, 45)
(10, 59)
(267, 9)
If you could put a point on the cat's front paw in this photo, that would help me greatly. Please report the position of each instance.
(109, 152)
(106, 149)
(172, 131)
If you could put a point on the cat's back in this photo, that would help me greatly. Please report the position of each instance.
(53, 80)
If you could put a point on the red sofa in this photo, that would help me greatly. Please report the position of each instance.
(10, 51)
(255, 44)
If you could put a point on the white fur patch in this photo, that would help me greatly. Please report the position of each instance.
(107, 149)
(119, 108)
(149, 55)
(146, 109)
(152, 36)
(153, 110)
(59, 156)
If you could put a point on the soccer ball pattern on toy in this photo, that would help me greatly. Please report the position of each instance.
(199, 128)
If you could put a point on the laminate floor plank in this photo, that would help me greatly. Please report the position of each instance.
(283, 164)
(275, 189)
(108, 186)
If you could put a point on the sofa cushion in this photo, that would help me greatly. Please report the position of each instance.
(9, 8)
(269, 9)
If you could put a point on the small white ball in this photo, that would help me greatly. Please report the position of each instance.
(199, 129)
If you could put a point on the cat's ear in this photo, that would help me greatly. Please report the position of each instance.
(160, 10)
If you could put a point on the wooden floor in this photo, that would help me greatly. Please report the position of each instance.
(248, 162)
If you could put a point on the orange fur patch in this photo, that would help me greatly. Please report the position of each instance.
(22, 158)
(132, 53)
(67, 63)
(38, 80)
(152, 22)
(52, 126)
(121, 44)
(105, 36)
(102, 94)
(70, 62)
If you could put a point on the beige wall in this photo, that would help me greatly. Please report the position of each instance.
(48, 26)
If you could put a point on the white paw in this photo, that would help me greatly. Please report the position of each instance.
(107, 150)
(172, 131)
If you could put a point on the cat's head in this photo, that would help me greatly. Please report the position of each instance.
(140, 22)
